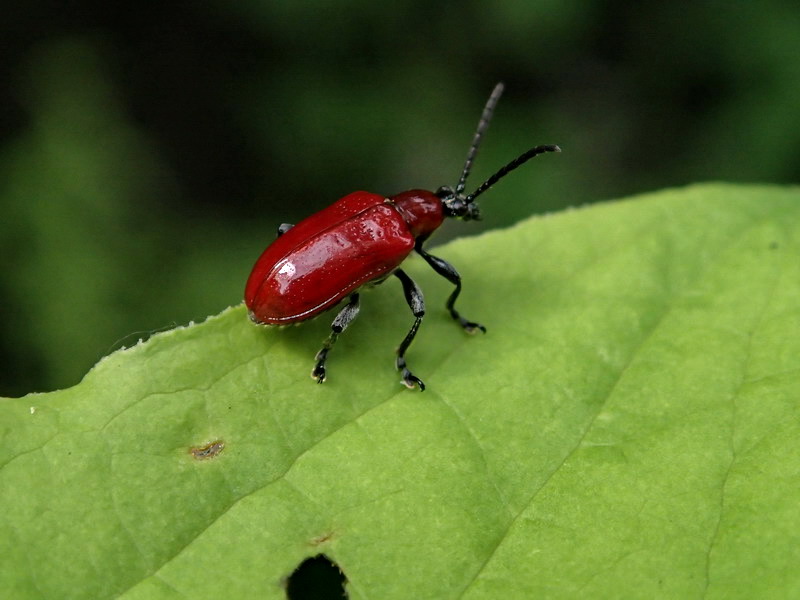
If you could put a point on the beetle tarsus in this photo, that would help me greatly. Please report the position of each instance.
(410, 380)
(318, 372)
(469, 326)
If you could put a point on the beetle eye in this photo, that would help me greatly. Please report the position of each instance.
(445, 192)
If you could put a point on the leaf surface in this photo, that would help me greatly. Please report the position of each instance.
(627, 428)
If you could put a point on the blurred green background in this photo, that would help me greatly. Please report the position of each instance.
(149, 150)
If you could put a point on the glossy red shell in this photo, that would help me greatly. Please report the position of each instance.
(361, 238)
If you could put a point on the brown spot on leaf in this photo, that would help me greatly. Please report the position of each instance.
(208, 451)
(321, 539)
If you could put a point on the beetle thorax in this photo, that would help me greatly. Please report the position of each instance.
(422, 211)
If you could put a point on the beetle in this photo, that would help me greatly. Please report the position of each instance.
(361, 240)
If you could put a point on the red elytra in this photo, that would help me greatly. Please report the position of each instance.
(319, 261)
(361, 240)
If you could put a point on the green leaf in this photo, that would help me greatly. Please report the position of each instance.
(627, 428)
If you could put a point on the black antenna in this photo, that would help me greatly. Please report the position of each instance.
(520, 160)
(483, 124)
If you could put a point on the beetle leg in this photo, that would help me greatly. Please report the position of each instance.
(283, 228)
(448, 271)
(340, 323)
(417, 304)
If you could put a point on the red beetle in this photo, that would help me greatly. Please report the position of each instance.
(361, 240)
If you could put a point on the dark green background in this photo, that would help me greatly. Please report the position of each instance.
(149, 150)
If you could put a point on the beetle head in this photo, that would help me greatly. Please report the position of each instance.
(458, 205)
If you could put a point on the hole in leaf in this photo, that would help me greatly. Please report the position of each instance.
(317, 578)
(208, 451)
